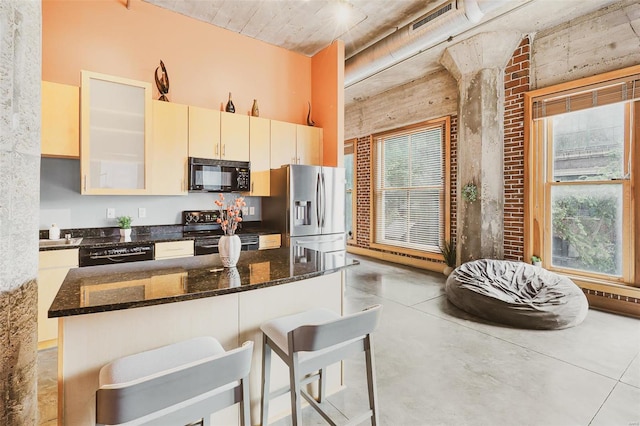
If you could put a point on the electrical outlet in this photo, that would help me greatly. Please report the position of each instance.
(252, 210)
(111, 213)
(142, 212)
(245, 211)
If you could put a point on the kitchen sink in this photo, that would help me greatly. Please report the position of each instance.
(61, 242)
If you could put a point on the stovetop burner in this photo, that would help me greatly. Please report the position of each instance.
(203, 226)
(200, 217)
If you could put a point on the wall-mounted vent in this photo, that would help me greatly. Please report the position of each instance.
(432, 15)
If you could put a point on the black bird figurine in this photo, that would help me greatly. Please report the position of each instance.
(162, 83)
(310, 122)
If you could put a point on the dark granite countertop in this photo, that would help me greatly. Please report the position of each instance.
(113, 287)
(104, 237)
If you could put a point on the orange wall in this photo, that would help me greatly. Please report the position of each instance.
(327, 74)
(204, 62)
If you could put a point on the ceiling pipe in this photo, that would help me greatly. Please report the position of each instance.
(406, 42)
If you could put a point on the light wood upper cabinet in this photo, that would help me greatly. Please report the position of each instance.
(234, 137)
(169, 149)
(115, 135)
(204, 132)
(308, 145)
(60, 120)
(260, 156)
(283, 143)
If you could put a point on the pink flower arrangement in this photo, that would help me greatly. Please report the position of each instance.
(229, 214)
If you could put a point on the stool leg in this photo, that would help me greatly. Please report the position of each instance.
(371, 379)
(245, 416)
(294, 379)
(266, 374)
(321, 385)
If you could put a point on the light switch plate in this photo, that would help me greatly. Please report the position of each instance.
(252, 210)
(111, 213)
(142, 212)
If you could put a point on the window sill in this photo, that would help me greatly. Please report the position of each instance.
(408, 252)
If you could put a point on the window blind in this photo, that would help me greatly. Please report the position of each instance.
(409, 189)
(603, 93)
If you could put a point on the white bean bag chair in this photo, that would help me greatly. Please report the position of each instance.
(516, 294)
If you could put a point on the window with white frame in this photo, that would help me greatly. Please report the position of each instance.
(410, 184)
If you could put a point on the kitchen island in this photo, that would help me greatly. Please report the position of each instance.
(107, 312)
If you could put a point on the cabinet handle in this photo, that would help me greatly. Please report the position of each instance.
(252, 187)
(217, 149)
(224, 146)
(298, 160)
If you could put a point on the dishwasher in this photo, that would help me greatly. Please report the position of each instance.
(115, 255)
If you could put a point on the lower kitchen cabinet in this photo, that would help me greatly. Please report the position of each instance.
(272, 241)
(52, 270)
(174, 249)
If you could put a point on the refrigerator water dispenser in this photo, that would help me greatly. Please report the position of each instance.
(302, 213)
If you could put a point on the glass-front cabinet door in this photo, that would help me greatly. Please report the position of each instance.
(115, 134)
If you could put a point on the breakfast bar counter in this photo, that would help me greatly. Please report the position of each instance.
(107, 312)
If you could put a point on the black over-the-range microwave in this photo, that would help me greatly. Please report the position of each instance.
(207, 175)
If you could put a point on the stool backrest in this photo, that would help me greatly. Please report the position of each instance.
(348, 327)
(125, 402)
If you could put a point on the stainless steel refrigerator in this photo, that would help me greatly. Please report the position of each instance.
(307, 206)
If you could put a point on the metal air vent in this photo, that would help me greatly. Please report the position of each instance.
(432, 15)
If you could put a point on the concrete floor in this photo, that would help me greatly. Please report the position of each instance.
(437, 365)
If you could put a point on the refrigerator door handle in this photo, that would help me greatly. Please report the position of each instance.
(324, 201)
(318, 196)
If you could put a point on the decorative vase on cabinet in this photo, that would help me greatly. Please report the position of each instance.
(230, 107)
(229, 248)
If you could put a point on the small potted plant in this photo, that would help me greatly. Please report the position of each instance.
(536, 261)
(448, 250)
(124, 222)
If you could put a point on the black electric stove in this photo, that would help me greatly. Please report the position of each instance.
(202, 225)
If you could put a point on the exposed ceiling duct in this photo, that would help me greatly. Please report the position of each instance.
(447, 20)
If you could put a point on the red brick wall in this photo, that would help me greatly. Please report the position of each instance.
(453, 166)
(363, 191)
(516, 82)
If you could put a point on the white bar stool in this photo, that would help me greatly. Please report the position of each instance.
(309, 342)
(175, 384)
